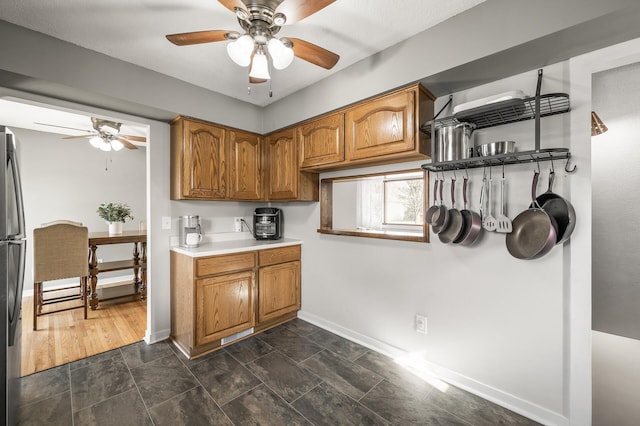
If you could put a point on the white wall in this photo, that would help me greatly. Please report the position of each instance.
(496, 323)
(66, 179)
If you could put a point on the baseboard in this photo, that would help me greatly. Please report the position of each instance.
(432, 373)
(156, 337)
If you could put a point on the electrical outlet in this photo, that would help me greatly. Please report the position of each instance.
(237, 224)
(421, 324)
(166, 222)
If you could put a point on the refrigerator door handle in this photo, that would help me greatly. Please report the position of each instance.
(12, 158)
(14, 315)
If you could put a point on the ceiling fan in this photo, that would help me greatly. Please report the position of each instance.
(261, 20)
(105, 135)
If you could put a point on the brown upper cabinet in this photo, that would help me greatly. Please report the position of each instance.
(381, 130)
(199, 152)
(246, 166)
(212, 162)
(284, 180)
(322, 141)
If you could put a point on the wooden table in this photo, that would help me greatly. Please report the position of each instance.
(138, 262)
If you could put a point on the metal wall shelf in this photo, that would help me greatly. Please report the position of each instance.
(502, 159)
(498, 113)
(505, 112)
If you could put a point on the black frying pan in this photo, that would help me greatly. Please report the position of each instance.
(560, 209)
(534, 230)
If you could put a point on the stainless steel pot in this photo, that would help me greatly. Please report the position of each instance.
(454, 142)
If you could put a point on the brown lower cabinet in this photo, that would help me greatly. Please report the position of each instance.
(218, 297)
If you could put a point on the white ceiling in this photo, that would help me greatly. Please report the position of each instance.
(35, 116)
(134, 31)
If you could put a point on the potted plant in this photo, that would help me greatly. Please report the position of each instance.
(115, 214)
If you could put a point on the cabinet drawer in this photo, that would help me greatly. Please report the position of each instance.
(279, 255)
(227, 263)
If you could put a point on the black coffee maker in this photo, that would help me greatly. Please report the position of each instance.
(267, 223)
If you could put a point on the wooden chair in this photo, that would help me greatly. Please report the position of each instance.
(60, 250)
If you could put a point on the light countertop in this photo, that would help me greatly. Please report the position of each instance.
(234, 246)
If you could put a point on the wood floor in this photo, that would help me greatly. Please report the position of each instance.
(65, 336)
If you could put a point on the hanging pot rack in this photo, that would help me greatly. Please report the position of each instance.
(505, 112)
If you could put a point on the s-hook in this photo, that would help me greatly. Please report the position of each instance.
(537, 162)
(566, 166)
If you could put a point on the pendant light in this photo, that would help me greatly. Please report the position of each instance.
(597, 126)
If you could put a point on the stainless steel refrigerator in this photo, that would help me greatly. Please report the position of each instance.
(12, 258)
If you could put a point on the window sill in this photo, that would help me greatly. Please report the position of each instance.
(386, 235)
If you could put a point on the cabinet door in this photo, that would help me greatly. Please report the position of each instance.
(382, 126)
(224, 306)
(282, 165)
(245, 183)
(322, 141)
(278, 290)
(204, 167)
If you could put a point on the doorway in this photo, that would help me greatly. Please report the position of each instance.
(615, 269)
(68, 179)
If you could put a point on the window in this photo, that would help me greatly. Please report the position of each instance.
(389, 205)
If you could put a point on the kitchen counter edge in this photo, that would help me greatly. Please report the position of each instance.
(237, 246)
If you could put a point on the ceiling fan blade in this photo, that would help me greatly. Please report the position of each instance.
(232, 4)
(126, 143)
(134, 138)
(79, 137)
(198, 37)
(297, 10)
(63, 127)
(254, 80)
(314, 54)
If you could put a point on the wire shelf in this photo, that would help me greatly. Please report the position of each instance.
(509, 111)
(502, 159)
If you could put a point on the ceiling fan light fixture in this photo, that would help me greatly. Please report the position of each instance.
(281, 54)
(105, 146)
(240, 50)
(96, 141)
(116, 145)
(260, 66)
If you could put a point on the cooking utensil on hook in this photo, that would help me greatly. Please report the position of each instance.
(559, 208)
(504, 224)
(489, 222)
(435, 208)
(472, 223)
(454, 226)
(442, 214)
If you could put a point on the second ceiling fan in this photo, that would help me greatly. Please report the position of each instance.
(261, 20)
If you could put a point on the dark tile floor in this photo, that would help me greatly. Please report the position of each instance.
(294, 374)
